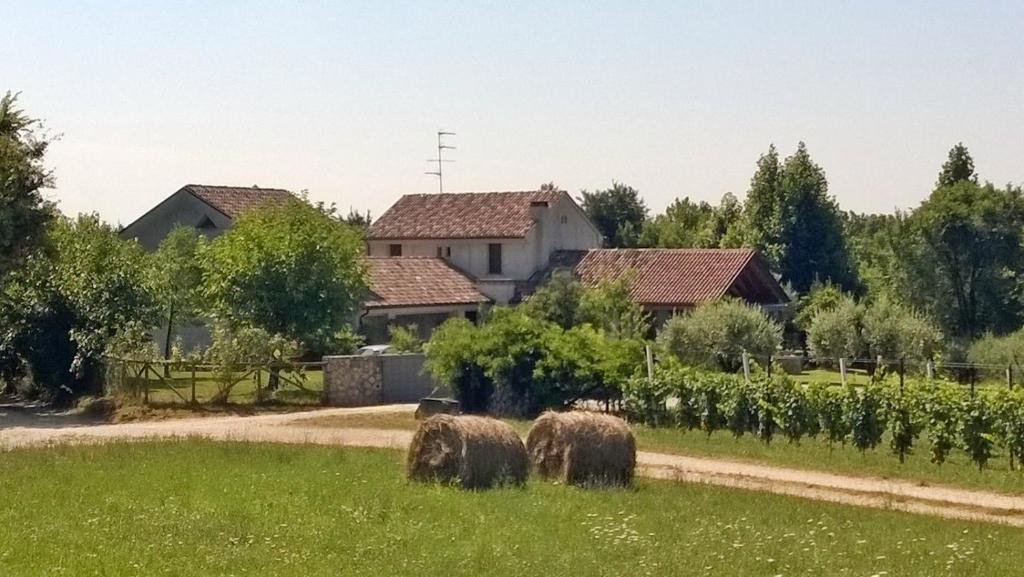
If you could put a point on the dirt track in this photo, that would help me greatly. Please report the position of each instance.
(283, 428)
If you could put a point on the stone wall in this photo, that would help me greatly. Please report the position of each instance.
(352, 381)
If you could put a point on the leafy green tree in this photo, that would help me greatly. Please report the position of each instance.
(557, 300)
(291, 269)
(687, 224)
(177, 279)
(64, 308)
(972, 237)
(610, 306)
(24, 213)
(885, 249)
(959, 166)
(822, 297)
(762, 211)
(617, 212)
(358, 219)
(715, 335)
(791, 219)
(451, 357)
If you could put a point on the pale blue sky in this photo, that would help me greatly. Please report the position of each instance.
(676, 99)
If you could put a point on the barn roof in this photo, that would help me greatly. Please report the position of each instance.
(679, 277)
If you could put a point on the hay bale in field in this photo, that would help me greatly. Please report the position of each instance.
(473, 452)
(582, 448)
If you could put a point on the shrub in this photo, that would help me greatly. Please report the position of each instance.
(836, 333)
(62, 310)
(1006, 351)
(893, 331)
(405, 339)
(716, 334)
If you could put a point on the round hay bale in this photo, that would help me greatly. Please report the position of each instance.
(473, 452)
(581, 448)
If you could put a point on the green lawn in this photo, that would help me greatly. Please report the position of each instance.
(203, 508)
(808, 454)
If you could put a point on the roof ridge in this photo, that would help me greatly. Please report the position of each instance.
(235, 187)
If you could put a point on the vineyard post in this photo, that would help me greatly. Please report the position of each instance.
(770, 366)
(746, 366)
(1009, 377)
(902, 366)
(842, 370)
(193, 382)
(974, 375)
(929, 369)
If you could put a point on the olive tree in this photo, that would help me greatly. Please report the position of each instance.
(716, 334)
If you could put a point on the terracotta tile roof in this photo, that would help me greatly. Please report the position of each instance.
(419, 281)
(673, 277)
(234, 200)
(461, 215)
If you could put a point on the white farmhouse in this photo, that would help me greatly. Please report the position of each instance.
(499, 239)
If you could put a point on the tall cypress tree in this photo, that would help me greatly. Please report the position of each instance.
(762, 209)
(812, 230)
(958, 166)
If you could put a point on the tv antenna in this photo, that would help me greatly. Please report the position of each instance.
(440, 160)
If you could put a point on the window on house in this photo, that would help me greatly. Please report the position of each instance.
(448, 251)
(439, 253)
(494, 258)
(565, 219)
(394, 250)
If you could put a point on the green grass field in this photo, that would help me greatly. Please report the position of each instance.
(808, 454)
(218, 509)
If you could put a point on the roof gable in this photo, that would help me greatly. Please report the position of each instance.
(418, 281)
(461, 215)
(681, 277)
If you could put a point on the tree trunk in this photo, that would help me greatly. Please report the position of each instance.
(167, 339)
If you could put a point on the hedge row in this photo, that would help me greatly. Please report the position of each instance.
(941, 415)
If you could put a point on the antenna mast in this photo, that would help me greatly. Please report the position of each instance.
(440, 160)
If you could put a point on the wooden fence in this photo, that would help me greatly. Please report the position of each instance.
(193, 383)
